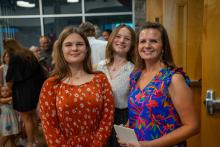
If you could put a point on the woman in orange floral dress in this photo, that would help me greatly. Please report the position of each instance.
(76, 104)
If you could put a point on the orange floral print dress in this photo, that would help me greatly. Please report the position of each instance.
(77, 116)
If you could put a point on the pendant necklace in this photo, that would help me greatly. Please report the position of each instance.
(117, 66)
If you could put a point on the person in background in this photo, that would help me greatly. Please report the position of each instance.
(118, 65)
(25, 77)
(37, 53)
(97, 46)
(160, 102)
(76, 104)
(98, 33)
(4, 69)
(46, 51)
(106, 34)
(9, 126)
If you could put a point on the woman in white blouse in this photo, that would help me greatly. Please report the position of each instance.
(118, 65)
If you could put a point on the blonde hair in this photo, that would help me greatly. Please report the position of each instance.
(110, 50)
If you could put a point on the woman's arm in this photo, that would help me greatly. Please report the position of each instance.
(48, 115)
(106, 123)
(7, 100)
(183, 101)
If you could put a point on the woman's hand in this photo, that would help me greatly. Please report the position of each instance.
(128, 144)
(134, 144)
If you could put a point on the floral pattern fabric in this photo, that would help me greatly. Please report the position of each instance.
(151, 110)
(77, 116)
(8, 120)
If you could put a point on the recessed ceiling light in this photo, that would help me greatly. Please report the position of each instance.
(25, 4)
(72, 1)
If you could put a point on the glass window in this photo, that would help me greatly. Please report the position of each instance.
(22, 22)
(53, 26)
(61, 7)
(110, 22)
(97, 6)
(13, 7)
(25, 30)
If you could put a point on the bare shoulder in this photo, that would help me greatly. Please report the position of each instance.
(178, 84)
(1, 67)
(177, 78)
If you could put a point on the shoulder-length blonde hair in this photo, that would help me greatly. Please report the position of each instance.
(110, 50)
(61, 68)
(166, 57)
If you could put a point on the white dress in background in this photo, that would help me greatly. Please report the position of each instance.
(8, 117)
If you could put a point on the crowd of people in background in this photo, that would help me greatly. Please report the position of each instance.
(78, 86)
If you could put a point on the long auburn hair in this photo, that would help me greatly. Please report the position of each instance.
(167, 57)
(110, 50)
(61, 68)
(13, 47)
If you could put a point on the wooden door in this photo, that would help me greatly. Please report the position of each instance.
(210, 125)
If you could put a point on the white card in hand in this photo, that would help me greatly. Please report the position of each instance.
(125, 134)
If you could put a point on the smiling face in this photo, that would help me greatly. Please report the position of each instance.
(74, 49)
(122, 41)
(105, 35)
(150, 44)
(44, 43)
(5, 91)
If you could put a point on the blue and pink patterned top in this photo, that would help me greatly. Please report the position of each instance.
(151, 110)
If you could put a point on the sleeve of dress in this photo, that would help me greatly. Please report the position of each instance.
(106, 122)
(48, 115)
(179, 71)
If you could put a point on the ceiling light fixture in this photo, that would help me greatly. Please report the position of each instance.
(25, 4)
(72, 1)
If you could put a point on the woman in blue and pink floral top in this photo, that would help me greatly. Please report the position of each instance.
(160, 102)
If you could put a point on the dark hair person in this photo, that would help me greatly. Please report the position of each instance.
(106, 34)
(76, 104)
(160, 102)
(25, 77)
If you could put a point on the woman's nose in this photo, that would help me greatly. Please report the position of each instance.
(147, 44)
(122, 39)
(74, 47)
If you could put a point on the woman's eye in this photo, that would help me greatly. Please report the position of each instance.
(142, 41)
(128, 39)
(80, 44)
(117, 36)
(150, 41)
(68, 45)
(153, 41)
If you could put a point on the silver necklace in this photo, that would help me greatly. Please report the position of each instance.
(117, 67)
